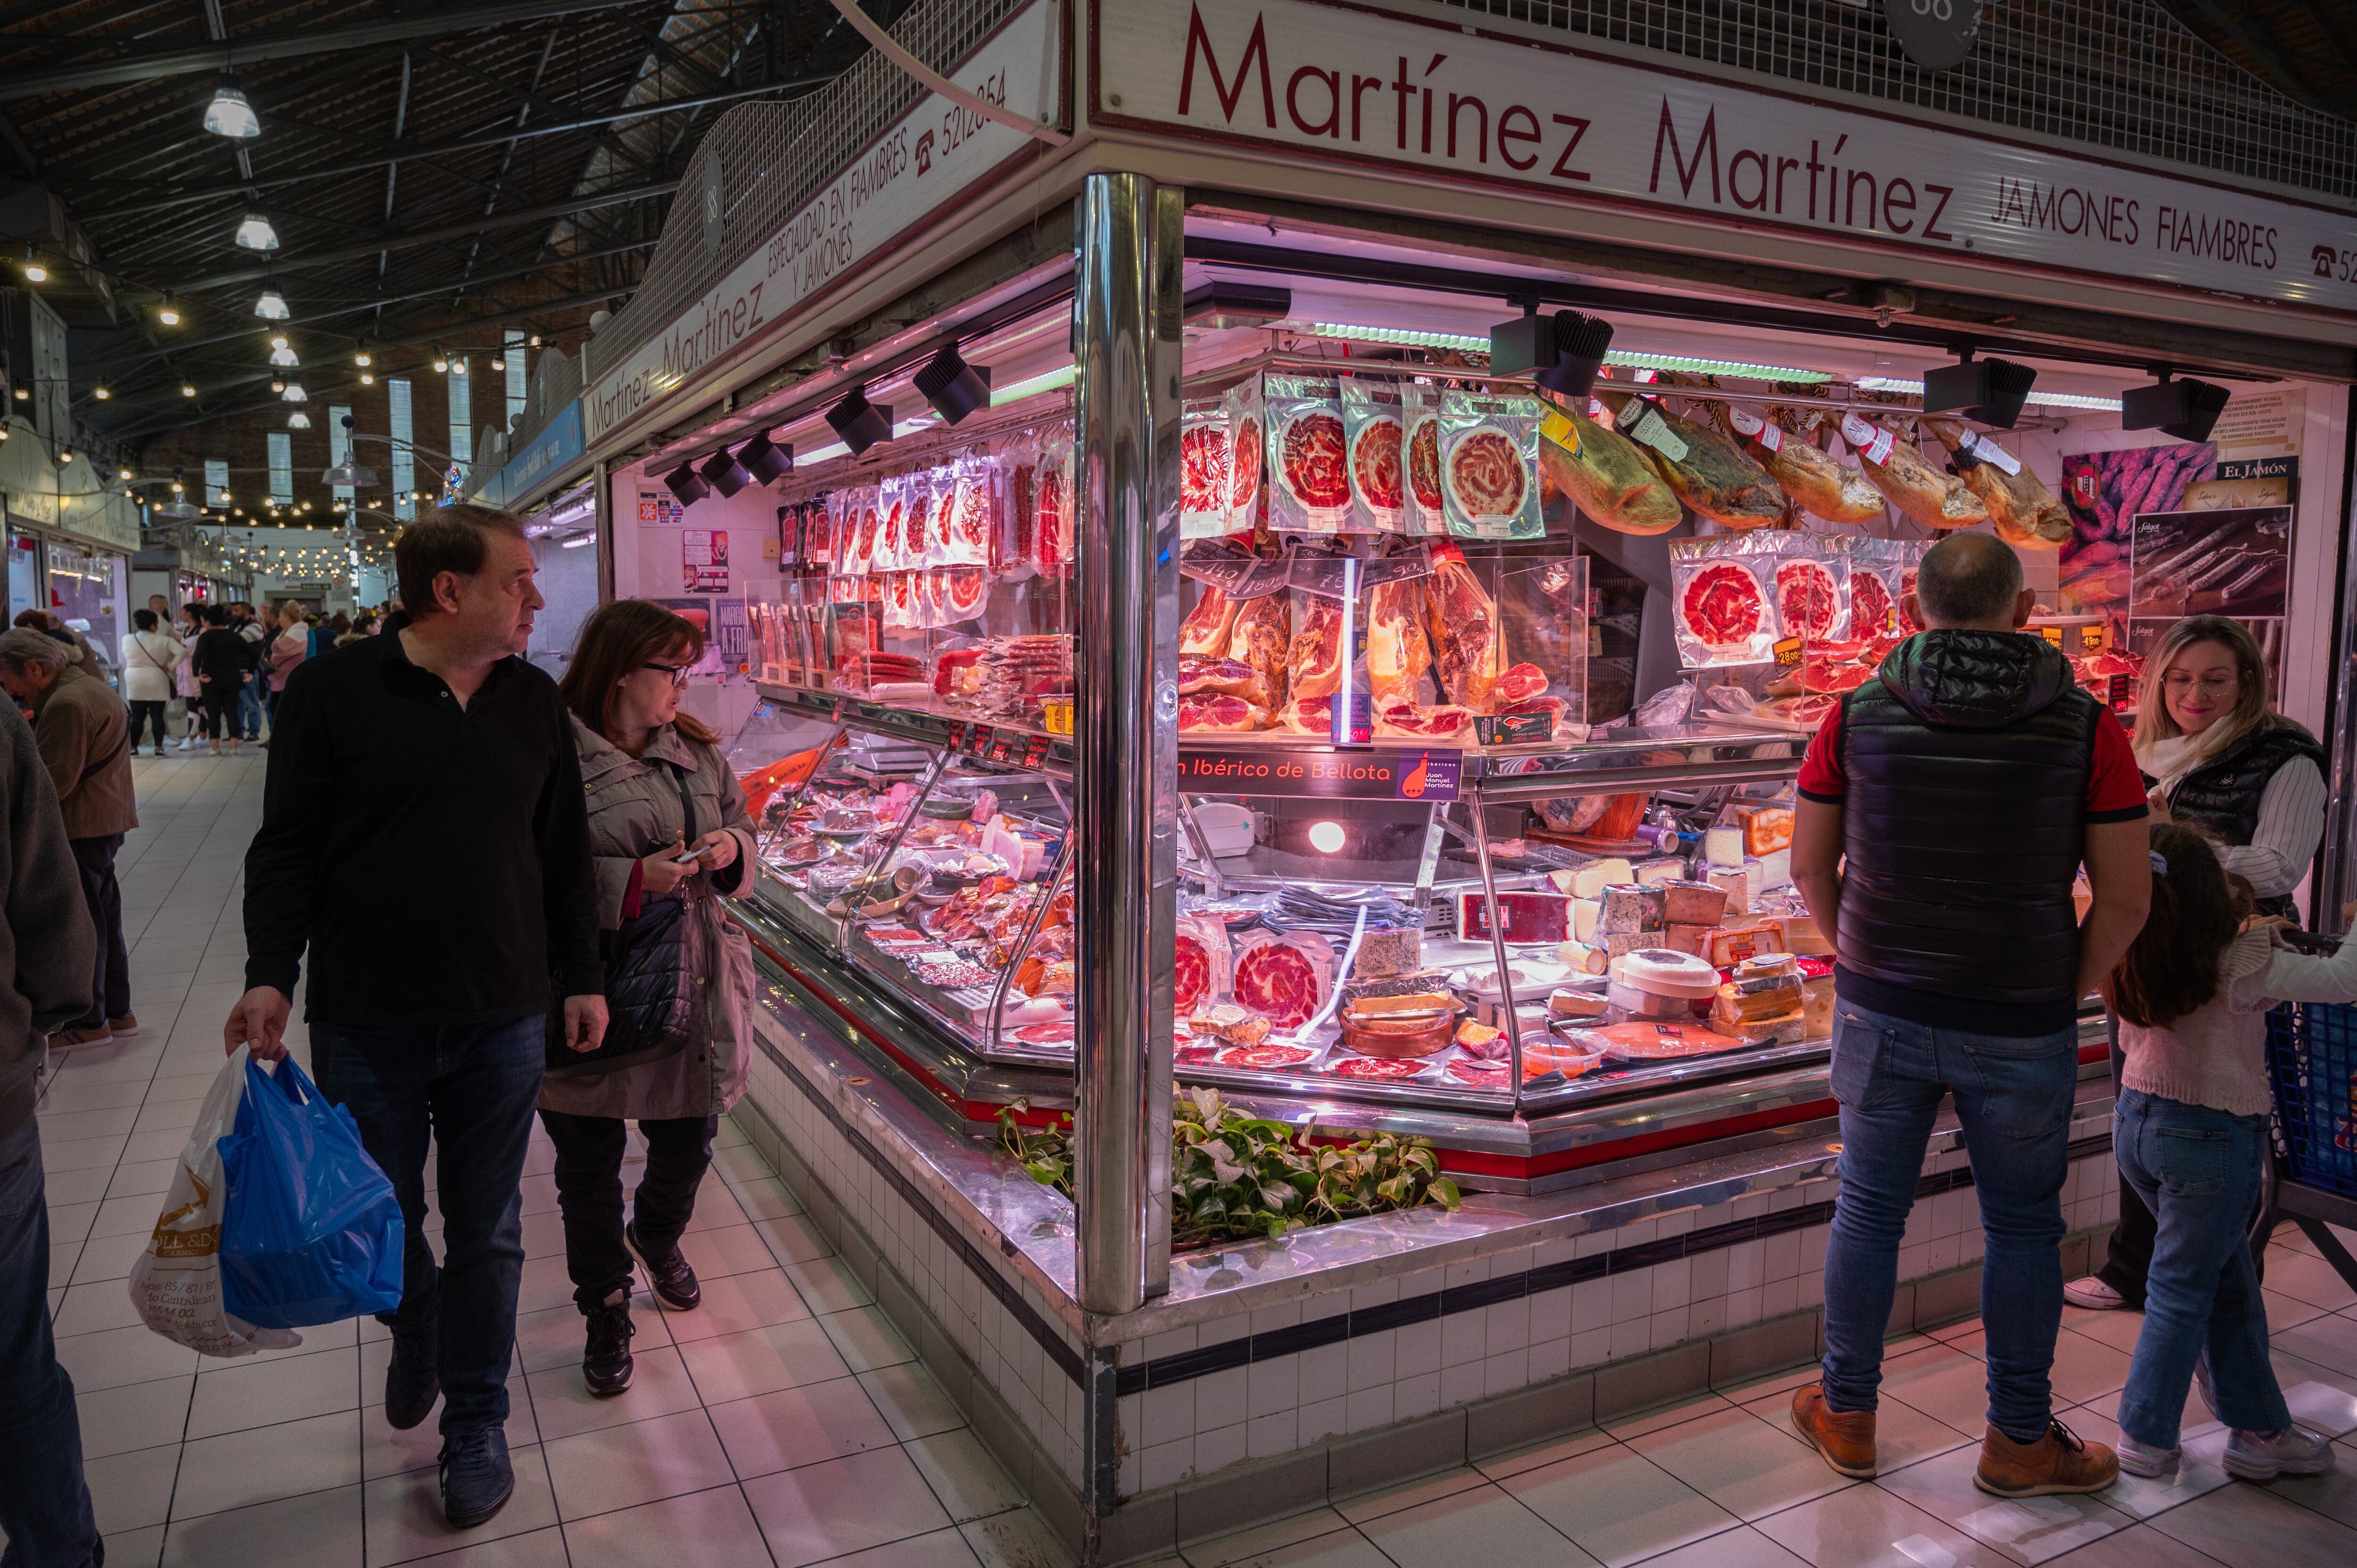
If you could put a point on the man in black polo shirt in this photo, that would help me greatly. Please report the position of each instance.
(1945, 809)
(426, 836)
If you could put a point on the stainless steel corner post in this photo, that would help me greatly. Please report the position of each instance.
(1125, 339)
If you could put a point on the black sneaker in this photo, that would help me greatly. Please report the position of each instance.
(606, 1362)
(414, 1381)
(477, 1480)
(668, 1274)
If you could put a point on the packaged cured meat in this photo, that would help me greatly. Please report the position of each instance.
(1314, 660)
(1446, 725)
(1812, 600)
(1818, 482)
(1246, 452)
(1398, 651)
(1523, 916)
(1873, 578)
(1386, 1069)
(1427, 509)
(970, 518)
(1654, 1041)
(1285, 979)
(2023, 509)
(1377, 442)
(1200, 672)
(1708, 472)
(1725, 613)
(1489, 465)
(1308, 460)
(1214, 711)
(1201, 972)
(1051, 527)
(1210, 625)
(1263, 638)
(966, 590)
(1467, 641)
(1203, 505)
(1932, 499)
(1605, 474)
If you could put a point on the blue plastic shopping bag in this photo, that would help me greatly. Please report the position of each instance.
(312, 1232)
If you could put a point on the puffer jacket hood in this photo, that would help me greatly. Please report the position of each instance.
(1975, 679)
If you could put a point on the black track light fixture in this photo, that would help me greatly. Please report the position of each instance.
(954, 388)
(686, 484)
(1562, 352)
(860, 423)
(724, 473)
(2187, 410)
(1989, 391)
(766, 460)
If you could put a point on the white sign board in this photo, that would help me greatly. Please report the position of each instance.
(934, 153)
(1352, 83)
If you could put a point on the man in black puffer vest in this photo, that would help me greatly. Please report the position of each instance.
(1945, 809)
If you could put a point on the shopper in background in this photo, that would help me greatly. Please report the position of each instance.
(2190, 1130)
(224, 671)
(83, 733)
(368, 625)
(437, 769)
(161, 607)
(184, 677)
(150, 655)
(2222, 760)
(256, 635)
(1960, 970)
(658, 790)
(84, 657)
(46, 957)
(289, 648)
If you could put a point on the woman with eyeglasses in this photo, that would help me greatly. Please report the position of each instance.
(668, 834)
(2217, 758)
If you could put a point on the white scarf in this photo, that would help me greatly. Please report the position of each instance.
(2170, 760)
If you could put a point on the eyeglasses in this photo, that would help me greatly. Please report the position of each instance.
(2212, 682)
(678, 672)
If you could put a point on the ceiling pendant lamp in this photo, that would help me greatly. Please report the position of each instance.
(295, 392)
(280, 354)
(256, 234)
(299, 420)
(272, 306)
(229, 114)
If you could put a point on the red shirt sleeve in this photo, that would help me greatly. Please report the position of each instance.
(1822, 779)
(2115, 786)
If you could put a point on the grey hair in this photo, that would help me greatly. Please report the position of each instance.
(23, 646)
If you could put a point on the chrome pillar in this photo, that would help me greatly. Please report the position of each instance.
(601, 493)
(1125, 341)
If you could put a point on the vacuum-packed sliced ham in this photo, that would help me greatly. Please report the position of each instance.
(1398, 651)
(1724, 611)
(1809, 592)
(1468, 643)
(1210, 625)
(1285, 979)
(1446, 725)
(1197, 673)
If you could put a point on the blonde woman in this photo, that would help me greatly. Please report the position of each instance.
(290, 646)
(2222, 760)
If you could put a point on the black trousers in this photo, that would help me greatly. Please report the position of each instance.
(589, 1192)
(143, 713)
(111, 976)
(2128, 1254)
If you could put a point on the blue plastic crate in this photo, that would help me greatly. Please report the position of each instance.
(2312, 1057)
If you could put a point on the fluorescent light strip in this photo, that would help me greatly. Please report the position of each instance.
(1053, 380)
(2050, 399)
(1404, 338)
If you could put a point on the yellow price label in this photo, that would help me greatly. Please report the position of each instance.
(1788, 651)
(2053, 634)
(1557, 427)
(2091, 638)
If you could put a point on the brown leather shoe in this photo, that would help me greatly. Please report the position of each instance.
(2058, 1462)
(1845, 1437)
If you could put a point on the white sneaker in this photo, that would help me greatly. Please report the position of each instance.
(2135, 1460)
(2093, 1294)
(187, 741)
(2264, 1455)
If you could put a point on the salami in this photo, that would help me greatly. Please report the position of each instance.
(1384, 1069)
(1807, 602)
(1265, 1057)
(1722, 605)
(1284, 979)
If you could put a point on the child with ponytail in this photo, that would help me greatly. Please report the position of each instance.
(2190, 1132)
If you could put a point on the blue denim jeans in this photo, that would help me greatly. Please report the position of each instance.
(249, 709)
(2013, 1097)
(2198, 1171)
(471, 1087)
(44, 1506)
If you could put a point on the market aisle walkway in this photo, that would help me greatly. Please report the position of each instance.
(784, 1424)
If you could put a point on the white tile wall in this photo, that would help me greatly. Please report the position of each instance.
(1275, 1407)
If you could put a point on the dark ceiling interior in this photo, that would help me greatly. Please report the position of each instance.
(435, 173)
(2305, 49)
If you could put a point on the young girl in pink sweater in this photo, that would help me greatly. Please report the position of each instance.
(2190, 1132)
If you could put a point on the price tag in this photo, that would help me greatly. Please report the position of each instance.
(2091, 638)
(1869, 440)
(1036, 751)
(1788, 651)
(1985, 450)
(2053, 634)
(1006, 744)
(1559, 428)
(840, 704)
(957, 734)
(1654, 431)
(1766, 432)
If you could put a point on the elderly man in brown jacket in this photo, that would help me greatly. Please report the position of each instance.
(83, 732)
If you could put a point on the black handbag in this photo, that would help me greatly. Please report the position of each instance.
(650, 986)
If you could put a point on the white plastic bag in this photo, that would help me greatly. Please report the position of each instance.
(176, 1283)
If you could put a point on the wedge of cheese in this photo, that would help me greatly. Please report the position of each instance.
(1736, 883)
(1722, 848)
(1693, 903)
(1654, 873)
(1583, 920)
(1730, 945)
(1679, 938)
(1765, 828)
(1627, 906)
(1589, 880)
(1773, 869)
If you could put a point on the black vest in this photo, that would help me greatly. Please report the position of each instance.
(2222, 796)
(1967, 760)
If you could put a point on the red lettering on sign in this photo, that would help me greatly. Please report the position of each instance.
(1255, 48)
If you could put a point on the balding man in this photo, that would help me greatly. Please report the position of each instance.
(1945, 809)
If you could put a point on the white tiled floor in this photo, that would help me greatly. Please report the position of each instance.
(784, 1422)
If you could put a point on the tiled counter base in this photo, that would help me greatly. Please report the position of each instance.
(1278, 1376)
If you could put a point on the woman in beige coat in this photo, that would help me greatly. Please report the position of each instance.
(647, 769)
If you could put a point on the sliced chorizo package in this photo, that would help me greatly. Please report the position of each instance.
(1875, 582)
(1246, 450)
(1308, 456)
(1285, 979)
(1427, 510)
(1812, 588)
(1203, 464)
(1723, 592)
(1377, 441)
(1489, 465)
